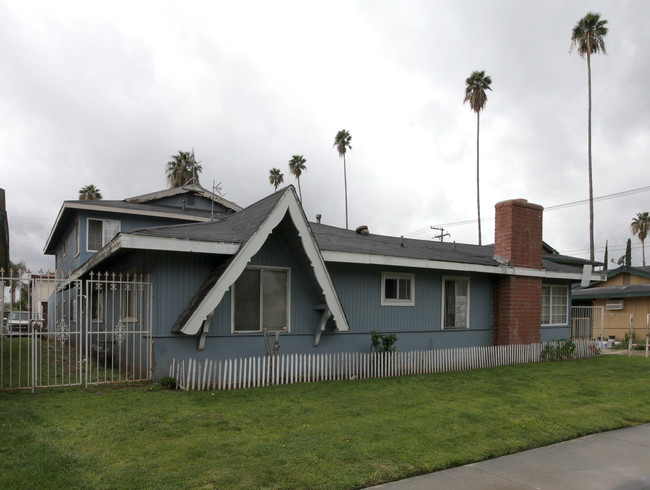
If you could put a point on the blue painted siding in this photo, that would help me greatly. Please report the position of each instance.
(127, 223)
(359, 288)
(235, 346)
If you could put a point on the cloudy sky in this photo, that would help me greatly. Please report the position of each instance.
(104, 93)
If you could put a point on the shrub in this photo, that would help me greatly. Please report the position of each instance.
(381, 342)
(559, 350)
(168, 382)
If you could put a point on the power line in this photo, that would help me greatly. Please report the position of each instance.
(548, 208)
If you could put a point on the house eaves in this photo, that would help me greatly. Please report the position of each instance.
(418, 263)
(606, 292)
(89, 206)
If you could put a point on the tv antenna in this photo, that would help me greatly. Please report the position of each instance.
(441, 233)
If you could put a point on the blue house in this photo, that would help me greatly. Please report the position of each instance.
(220, 276)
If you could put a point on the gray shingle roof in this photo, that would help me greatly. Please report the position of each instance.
(613, 291)
(232, 228)
(240, 226)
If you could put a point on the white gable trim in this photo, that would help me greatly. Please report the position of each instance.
(388, 260)
(288, 203)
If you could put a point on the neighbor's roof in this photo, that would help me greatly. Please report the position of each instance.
(627, 291)
(174, 191)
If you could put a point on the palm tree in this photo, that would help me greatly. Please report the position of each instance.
(640, 227)
(475, 87)
(276, 177)
(342, 144)
(90, 193)
(183, 168)
(588, 37)
(297, 166)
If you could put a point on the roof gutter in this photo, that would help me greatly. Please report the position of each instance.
(387, 260)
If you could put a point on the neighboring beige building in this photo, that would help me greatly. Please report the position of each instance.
(626, 292)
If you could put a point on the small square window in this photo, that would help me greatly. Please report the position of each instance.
(397, 289)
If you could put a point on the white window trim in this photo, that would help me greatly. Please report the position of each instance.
(88, 220)
(550, 305)
(393, 301)
(442, 303)
(232, 301)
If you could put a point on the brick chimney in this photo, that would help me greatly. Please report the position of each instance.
(517, 300)
(518, 233)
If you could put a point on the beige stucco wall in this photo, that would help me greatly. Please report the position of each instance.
(617, 322)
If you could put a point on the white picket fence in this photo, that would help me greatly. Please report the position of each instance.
(250, 372)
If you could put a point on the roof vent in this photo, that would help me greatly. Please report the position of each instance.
(362, 230)
(318, 218)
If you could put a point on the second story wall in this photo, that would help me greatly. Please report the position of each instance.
(89, 231)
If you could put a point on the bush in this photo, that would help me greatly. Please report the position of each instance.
(168, 382)
(559, 350)
(381, 342)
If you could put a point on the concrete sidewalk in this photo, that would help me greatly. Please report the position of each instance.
(618, 459)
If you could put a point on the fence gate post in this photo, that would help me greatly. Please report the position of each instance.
(629, 342)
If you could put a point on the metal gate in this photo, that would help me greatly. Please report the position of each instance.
(57, 331)
(587, 322)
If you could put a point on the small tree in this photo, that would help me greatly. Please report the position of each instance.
(640, 227)
(276, 177)
(183, 168)
(90, 193)
(297, 167)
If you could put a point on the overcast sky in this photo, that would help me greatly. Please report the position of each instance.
(105, 93)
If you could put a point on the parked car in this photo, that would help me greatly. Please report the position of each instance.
(18, 322)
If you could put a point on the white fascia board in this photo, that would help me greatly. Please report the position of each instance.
(111, 209)
(140, 242)
(286, 203)
(56, 224)
(139, 212)
(387, 260)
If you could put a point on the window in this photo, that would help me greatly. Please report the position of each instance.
(455, 302)
(100, 232)
(65, 248)
(555, 300)
(397, 289)
(261, 300)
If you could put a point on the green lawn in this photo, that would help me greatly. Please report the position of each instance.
(338, 434)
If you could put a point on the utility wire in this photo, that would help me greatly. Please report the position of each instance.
(548, 208)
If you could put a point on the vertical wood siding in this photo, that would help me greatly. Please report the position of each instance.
(359, 288)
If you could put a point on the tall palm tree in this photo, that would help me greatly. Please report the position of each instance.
(640, 227)
(297, 167)
(183, 168)
(475, 87)
(90, 193)
(588, 38)
(276, 177)
(342, 145)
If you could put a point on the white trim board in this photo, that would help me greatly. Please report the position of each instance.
(387, 260)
